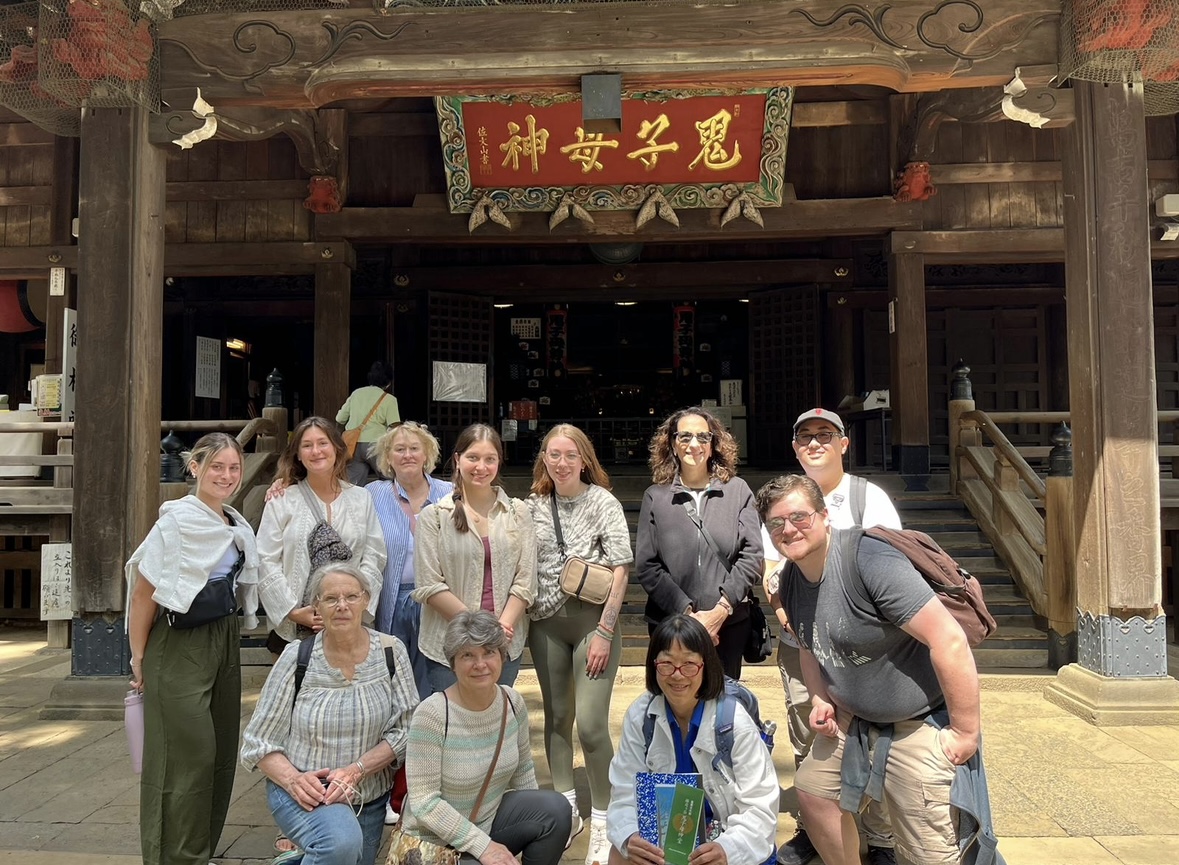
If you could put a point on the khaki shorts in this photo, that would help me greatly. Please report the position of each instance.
(916, 788)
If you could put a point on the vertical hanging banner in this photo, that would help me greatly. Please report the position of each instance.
(69, 364)
(208, 367)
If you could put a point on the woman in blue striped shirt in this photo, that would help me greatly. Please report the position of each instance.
(406, 453)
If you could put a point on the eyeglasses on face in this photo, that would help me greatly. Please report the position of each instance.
(685, 438)
(688, 669)
(334, 601)
(555, 457)
(798, 519)
(823, 438)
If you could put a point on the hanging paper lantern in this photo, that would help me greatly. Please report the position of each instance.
(16, 316)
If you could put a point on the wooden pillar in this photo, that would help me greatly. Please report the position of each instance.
(333, 326)
(961, 402)
(909, 376)
(1060, 580)
(1121, 674)
(61, 216)
(117, 431)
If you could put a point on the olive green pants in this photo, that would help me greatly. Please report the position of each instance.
(192, 700)
(558, 646)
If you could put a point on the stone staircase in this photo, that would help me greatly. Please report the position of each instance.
(1020, 643)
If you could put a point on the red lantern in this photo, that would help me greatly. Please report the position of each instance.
(15, 314)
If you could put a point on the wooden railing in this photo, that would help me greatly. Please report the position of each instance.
(1026, 517)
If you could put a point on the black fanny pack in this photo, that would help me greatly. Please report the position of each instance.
(215, 601)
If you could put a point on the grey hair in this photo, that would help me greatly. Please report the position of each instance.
(324, 571)
(474, 629)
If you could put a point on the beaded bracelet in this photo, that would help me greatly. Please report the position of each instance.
(605, 633)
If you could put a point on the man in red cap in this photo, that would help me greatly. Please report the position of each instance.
(820, 441)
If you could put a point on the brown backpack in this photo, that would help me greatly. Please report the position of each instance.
(958, 590)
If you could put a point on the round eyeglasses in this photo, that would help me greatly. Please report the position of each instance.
(798, 519)
(688, 669)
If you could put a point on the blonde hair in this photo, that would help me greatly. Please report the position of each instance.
(291, 469)
(430, 446)
(207, 447)
(591, 470)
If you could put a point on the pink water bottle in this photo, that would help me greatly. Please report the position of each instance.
(133, 720)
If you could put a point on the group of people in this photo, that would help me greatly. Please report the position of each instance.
(400, 612)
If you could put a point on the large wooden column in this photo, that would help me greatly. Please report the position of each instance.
(909, 376)
(117, 432)
(1121, 674)
(333, 332)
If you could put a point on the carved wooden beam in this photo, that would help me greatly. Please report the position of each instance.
(302, 59)
(320, 138)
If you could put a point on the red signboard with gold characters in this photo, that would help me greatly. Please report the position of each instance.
(702, 140)
(532, 152)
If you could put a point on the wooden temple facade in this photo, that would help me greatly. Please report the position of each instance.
(922, 181)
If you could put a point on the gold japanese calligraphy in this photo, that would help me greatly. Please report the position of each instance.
(587, 148)
(649, 131)
(713, 133)
(532, 146)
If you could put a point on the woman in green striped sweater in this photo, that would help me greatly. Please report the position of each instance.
(472, 782)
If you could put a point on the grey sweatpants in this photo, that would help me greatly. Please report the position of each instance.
(559, 644)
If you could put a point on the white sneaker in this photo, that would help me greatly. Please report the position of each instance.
(599, 844)
(391, 816)
(575, 829)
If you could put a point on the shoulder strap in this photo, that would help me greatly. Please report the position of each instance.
(726, 707)
(849, 552)
(557, 523)
(648, 727)
(859, 498)
(312, 501)
(690, 507)
(390, 658)
(499, 743)
(372, 411)
(301, 662)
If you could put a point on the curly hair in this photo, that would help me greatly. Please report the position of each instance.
(292, 470)
(591, 470)
(431, 450)
(722, 461)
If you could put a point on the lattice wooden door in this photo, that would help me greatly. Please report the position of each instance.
(460, 330)
(784, 330)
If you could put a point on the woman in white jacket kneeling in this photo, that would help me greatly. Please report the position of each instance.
(672, 729)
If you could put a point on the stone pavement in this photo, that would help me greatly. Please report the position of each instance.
(1063, 792)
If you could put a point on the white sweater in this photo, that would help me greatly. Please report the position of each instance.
(285, 563)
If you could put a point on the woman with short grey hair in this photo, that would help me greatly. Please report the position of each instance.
(472, 782)
(331, 727)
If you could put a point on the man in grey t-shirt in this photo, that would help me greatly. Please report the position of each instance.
(877, 647)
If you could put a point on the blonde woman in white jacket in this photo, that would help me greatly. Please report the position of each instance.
(685, 681)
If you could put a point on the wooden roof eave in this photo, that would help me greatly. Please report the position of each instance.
(305, 59)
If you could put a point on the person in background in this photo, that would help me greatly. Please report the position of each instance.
(685, 681)
(819, 443)
(189, 673)
(375, 403)
(328, 745)
(475, 549)
(574, 647)
(407, 454)
(696, 501)
(472, 781)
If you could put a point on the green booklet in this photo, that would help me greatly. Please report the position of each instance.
(683, 825)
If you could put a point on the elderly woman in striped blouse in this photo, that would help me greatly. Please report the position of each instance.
(328, 736)
(472, 782)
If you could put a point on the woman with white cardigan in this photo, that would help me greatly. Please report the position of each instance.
(318, 518)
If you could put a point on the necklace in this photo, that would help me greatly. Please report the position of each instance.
(474, 514)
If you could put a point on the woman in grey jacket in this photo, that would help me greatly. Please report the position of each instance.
(698, 547)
